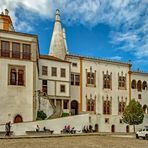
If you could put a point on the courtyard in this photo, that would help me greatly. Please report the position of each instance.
(75, 142)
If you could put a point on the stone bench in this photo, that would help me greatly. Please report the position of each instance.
(3, 133)
(39, 132)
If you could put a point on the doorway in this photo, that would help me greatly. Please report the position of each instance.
(18, 119)
(113, 128)
(74, 107)
(96, 128)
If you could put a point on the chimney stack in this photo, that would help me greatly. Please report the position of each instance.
(6, 12)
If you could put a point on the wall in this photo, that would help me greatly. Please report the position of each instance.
(55, 124)
(16, 99)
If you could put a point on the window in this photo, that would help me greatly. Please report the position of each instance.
(15, 50)
(63, 72)
(133, 84)
(121, 82)
(44, 86)
(107, 81)
(54, 71)
(106, 107)
(90, 105)
(121, 106)
(16, 75)
(75, 79)
(139, 86)
(74, 64)
(107, 120)
(5, 49)
(26, 51)
(44, 70)
(90, 78)
(62, 88)
(139, 96)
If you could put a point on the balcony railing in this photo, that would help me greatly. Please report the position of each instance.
(15, 54)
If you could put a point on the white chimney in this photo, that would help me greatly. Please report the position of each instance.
(6, 12)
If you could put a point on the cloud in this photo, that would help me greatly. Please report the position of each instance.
(116, 58)
(128, 18)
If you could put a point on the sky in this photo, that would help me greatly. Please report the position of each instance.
(108, 29)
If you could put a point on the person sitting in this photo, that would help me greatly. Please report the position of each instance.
(44, 128)
(37, 128)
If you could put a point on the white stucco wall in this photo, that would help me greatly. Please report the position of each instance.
(16, 99)
(55, 124)
(54, 82)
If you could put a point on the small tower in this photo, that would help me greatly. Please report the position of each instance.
(57, 44)
(5, 21)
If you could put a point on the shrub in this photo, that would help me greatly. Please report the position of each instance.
(65, 114)
(41, 115)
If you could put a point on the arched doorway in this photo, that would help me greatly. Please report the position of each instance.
(74, 107)
(127, 129)
(96, 128)
(113, 128)
(18, 119)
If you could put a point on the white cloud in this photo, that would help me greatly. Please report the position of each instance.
(118, 58)
(129, 18)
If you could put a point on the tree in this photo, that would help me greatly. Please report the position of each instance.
(133, 113)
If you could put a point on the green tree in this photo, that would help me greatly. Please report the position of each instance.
(133, 113)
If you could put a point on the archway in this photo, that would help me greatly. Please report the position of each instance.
(113, 128)
(127, 129)
(18, 119)
(74, 107)
(145, 109)
(96, 128)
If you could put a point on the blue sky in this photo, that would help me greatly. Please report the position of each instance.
(111, 29)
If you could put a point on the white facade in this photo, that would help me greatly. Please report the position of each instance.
(17, 99)
(63, 83)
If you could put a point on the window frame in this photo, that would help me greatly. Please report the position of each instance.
(62, 88)
(16, 47)
(54, 71)
(45, 70)
(5, 50)
(19, 73)
(63, 72)
(26, 51)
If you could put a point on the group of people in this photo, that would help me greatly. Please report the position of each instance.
(68, 130)
(87, 129)
(8, 128)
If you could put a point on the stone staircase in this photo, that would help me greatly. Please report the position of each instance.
(57, 110)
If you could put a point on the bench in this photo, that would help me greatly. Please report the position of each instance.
(39, 132)
(3, 133)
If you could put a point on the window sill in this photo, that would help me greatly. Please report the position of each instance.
(90, 85)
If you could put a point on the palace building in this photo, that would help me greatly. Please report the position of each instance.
(60, 82)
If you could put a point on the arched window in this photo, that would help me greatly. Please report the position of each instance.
(121, 106)
(107, 106)
(139, 85)
(107, 80)
(144, 85)
(145, 109)
(91, 105)
(133, 84)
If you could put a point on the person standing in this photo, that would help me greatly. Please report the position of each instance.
(8, 128)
